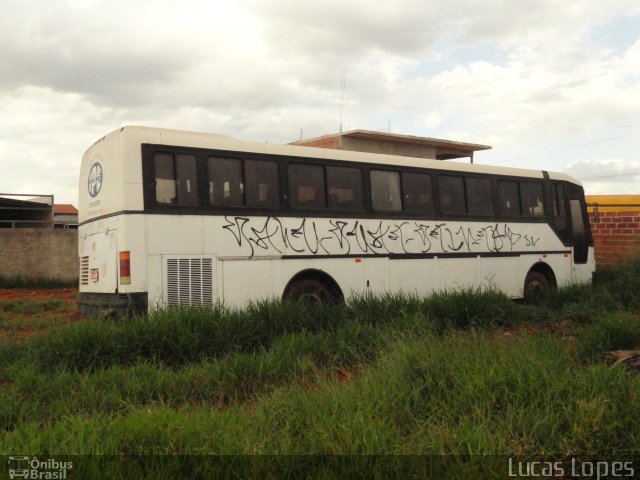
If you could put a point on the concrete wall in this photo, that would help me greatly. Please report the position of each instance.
(388, 148)
(39, 253)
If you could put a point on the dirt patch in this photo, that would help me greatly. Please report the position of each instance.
(37, 311)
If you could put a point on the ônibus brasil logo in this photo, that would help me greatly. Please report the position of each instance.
(34, 468)
(94, 182)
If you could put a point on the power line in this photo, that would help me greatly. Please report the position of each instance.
(610, 139)
(610, 176)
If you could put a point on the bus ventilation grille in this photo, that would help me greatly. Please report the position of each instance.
(190, 281)
(84, 270)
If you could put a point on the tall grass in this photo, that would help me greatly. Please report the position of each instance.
(176, 337)
(613, 290)
(397, 375)
(460, 394)
(235, 378)
(36, 283)
(608, 333)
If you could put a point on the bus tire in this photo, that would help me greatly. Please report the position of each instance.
(309, 290)
(535, 281)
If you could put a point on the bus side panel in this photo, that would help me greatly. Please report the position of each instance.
(414, 276)
(246, 280)
(155, 283)
(376, 275)
(174, 235)
(502, 273)
(457, 273)
(583, 272)
(560, 264)
(170, 237)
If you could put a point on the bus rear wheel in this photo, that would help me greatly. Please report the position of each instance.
(310, 291)
(534, 283)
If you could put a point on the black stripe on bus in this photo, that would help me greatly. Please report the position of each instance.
(416, 256)
(114, 214)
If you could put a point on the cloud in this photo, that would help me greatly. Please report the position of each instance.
(607, 176)
(618, 170)
(522, 80)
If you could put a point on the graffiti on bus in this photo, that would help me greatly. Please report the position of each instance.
(349, 237)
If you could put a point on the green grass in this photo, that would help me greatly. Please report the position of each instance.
(609, 333)
(28, 315)
(176, 337)
(458, 373)
(37, 283)
(460, 394)
(32, 307)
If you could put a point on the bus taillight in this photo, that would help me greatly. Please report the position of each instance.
(125, 268)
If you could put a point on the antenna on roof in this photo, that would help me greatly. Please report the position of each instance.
(343, 87)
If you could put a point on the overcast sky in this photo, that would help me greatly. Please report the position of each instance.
(549, 84)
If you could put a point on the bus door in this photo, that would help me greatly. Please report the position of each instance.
(579, 225)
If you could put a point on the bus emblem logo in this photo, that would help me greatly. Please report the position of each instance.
(94, 182)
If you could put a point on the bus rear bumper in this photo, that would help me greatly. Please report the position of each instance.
(112, 304)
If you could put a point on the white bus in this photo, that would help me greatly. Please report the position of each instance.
(179, 218)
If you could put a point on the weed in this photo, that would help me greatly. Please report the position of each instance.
(20, 281)
(608, 333)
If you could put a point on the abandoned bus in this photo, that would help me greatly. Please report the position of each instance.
(180, 218)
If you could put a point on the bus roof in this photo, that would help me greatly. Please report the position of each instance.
(162, 136)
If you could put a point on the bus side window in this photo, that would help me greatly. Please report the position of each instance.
(165, 178)
(385, 191)
(479, 196)
(262, 186)
(418, 192)
(187, 180)
(559, 208)
(306, 186)
(509, 199)
(451, 190)
(225, 182)
(345, 188)
(532, 199)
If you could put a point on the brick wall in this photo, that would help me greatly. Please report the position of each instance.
(39, 253)
(322, 142)
(616, 236)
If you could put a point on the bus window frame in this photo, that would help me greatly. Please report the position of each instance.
(202, 154)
